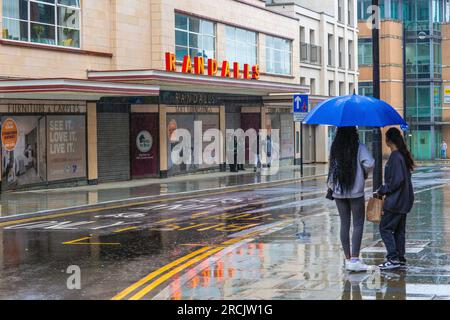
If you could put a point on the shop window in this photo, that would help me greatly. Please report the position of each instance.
(278, 55)
(241, 46)
(194, 37)
(49, 22)
(48, 148)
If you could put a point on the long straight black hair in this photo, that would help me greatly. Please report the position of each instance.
(394, 136)
(344, 158)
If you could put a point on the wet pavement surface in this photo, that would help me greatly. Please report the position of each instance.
(271, 243)
(25, 202)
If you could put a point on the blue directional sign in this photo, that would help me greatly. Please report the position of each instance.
(301, 107)
(404, 128)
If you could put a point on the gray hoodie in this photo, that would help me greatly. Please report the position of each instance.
(365, 165)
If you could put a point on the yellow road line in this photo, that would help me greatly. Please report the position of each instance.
(126, 229)
(113, 207)
(196, 215)
(212, 227)
(78, 242)
(167, 220)
(154, 274)
(170, 274)
(193, 227)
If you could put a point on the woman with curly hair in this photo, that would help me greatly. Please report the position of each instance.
(350, 165)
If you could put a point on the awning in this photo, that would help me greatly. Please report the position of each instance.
(176, 81)
(71, 89)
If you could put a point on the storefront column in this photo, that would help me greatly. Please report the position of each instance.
(223, 130)
(92, 143)
(263, 118)
(163, 141)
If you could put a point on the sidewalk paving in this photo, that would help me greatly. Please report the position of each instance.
(45, 201)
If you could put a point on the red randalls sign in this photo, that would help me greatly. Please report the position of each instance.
(198, 67)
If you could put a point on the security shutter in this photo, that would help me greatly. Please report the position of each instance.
(113, 146)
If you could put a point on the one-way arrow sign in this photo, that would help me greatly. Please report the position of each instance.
(301, 107)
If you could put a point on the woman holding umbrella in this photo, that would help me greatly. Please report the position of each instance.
(350, 161)
(350, 165)
(399, 200)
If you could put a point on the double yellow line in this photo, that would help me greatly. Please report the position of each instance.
(144, 286)
(141, 288)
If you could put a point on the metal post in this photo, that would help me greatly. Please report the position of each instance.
(301, 148)
(377, 144)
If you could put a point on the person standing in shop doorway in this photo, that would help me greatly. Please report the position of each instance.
(444, 148)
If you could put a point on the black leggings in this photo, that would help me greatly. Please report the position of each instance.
(348, 208)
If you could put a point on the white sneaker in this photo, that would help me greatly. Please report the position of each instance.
(356, 266)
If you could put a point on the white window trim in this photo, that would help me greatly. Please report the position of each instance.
(56, 26)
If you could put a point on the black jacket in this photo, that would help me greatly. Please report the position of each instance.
(397, 187)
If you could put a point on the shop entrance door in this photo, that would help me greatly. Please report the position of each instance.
(250, 121)
(144, 144)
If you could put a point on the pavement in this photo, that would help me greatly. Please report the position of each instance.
(38, 202)
(277, 241)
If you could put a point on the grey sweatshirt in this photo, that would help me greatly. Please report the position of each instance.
(365, 165)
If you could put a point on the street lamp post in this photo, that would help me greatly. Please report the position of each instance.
(377, 144)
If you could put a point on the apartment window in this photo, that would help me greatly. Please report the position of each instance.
(365, 52)
(313, 86)
(302, 34)
(341, 88)
(302, 81)
(278, 55)
(312, 37)
(363, 6)
(351, 88)
(330, 88)
(350, 55)
(194, 37)
(49, 22)
(241, 46)
(341, 53)
(330, 50)
(350, 13)
(341, 10)
(365, 89)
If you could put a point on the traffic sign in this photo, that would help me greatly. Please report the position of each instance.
(301, 107)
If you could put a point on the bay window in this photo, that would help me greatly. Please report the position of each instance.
(48, 22)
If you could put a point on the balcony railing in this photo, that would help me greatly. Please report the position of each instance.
(310, 53)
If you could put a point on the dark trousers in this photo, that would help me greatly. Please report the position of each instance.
(393, 233)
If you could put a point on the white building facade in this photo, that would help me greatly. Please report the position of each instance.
(328, 56)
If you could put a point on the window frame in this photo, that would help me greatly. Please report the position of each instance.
(281, 51)
(56, 6)
(199, 34)
(247, 45)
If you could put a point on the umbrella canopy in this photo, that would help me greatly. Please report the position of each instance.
(354, 110)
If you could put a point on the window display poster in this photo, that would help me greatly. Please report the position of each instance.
(144, 144)
(66, 147)
(21, 164)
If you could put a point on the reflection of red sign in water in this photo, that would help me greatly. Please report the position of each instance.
(144, 140)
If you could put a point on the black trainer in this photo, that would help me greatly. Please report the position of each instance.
(389, 265)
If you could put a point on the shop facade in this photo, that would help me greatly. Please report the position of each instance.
(44, 143)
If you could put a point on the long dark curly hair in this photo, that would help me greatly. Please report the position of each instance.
(344, 158)
(394, 136)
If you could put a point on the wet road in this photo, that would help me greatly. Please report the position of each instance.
(273, 243)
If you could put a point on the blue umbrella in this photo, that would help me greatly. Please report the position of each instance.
(354, 110)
